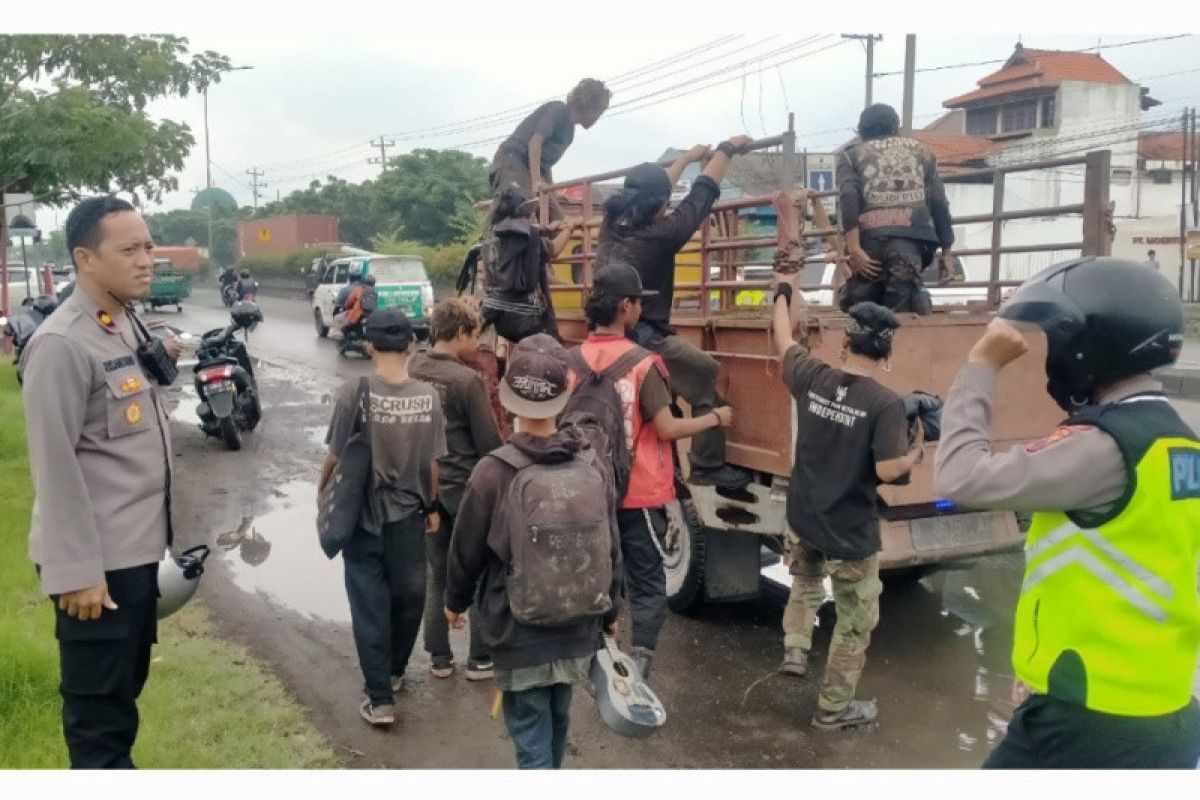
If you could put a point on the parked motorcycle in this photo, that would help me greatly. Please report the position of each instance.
(20, 327)
(225, 383)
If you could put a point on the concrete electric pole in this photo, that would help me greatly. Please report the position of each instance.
(383, 144)
(255, 183)
(870, 39)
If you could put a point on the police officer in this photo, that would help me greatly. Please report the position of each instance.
(100, 456)
(1108, 624)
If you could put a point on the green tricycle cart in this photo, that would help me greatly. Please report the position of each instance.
(169, 286)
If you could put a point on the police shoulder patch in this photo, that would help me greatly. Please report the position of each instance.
(1185, 473)
(1059, 434)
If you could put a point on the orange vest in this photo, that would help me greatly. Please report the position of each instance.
(652, 473)
(353, 306)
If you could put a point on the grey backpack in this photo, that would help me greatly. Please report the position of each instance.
(558, 518)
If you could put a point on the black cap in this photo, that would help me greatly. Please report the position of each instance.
(536, 383)
(620, 280)
(389, 328)
(649, 179)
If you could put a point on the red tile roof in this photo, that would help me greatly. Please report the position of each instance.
(956, 150)
(1035, 69)
(1161, 146)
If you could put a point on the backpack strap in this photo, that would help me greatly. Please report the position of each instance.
(628, 360)
(579, 364)
(512, 456)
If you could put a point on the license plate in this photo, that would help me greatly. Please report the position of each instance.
(219, 386)
(956, 530)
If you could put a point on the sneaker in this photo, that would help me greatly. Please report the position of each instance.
(855, 715)
(380, 716)
(722, 477)
(480, 670)
(442, 666)
(795, 662)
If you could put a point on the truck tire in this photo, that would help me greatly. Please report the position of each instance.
(319, 321)
(230, 434)
(684, 550)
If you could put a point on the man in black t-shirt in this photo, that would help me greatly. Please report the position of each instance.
(528, 155)
(851, 434)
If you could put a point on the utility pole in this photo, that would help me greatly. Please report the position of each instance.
(255, 183)
(910, 69)
(1183, 194)
(383, 144)
(870, 39)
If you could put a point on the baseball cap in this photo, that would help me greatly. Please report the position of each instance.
(535, 382)
(620, 280)
(649, 179)
(389, 328)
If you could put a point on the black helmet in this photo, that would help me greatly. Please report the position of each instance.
(245, 273)
(1105, 319)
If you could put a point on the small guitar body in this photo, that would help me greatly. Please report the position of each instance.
(626, 703)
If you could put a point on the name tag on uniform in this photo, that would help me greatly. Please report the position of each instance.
(1185, 474)
(112, 365)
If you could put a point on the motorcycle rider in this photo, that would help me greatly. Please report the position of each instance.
(363, 299)
(247, 287)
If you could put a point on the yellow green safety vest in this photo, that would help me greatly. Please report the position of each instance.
(1109, 616)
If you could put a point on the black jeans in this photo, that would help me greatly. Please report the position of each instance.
(538, 720)
(104, 665)
(436, 629)
(1046, 733)
(898, 284)
(645, 580)
(385, 582)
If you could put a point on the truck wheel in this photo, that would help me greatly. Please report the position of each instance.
(684, 550)
(230, 434)
(319, 321)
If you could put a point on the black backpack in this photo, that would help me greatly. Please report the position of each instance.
(369, 300)
(595, 407)
(512, 253)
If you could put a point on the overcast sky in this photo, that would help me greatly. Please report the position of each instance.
(313, 101)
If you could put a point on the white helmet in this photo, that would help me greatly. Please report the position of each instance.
(178, 578)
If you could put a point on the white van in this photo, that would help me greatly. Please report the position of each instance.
(401, 282)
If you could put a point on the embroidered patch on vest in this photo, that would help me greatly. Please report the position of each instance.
(1185, 474)
(1060, 433)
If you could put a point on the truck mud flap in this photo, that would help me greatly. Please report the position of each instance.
(731, 566)
(755, 509)
(221, 403)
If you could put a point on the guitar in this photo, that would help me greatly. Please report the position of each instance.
(626, 703)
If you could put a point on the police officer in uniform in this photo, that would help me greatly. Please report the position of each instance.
(100, 456)
(1107, 628)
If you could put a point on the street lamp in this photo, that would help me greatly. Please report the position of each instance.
(208, 162)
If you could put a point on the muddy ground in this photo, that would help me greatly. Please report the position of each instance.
(938, 664)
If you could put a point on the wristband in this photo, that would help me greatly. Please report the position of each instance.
(783, 290)
(727, 148)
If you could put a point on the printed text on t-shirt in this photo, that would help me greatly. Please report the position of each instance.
(836, 412)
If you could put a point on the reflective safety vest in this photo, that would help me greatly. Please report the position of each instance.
(1109, 616)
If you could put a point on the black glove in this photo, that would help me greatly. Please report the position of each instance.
(782, 290)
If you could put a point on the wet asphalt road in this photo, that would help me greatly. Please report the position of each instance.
(938, 663)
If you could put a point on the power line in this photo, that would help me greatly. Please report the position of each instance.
(255, 183)
(1004, 60)
(383, 144)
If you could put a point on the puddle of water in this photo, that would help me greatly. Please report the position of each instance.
(276, 554)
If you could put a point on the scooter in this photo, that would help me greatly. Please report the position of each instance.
(353, 339)
(225, 383)
(20, 328)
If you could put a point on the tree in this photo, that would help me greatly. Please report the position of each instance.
(176, 227)
(89, 131)
(432, 192)
(354, 204)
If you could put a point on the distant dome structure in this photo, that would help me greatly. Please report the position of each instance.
(216, 198)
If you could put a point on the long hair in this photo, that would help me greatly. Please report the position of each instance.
(632, 208)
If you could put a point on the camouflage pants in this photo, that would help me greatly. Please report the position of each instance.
(856, 589)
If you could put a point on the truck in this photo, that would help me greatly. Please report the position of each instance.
(715, 541)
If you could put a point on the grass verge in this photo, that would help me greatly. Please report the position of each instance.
(208, 703)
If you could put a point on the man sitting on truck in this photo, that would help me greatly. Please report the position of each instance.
(638, 230)
(527, 156)
(894, 211)
(851, 434)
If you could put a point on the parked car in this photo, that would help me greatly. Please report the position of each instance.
(401, 282)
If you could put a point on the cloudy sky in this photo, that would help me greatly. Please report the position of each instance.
(312, 103)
